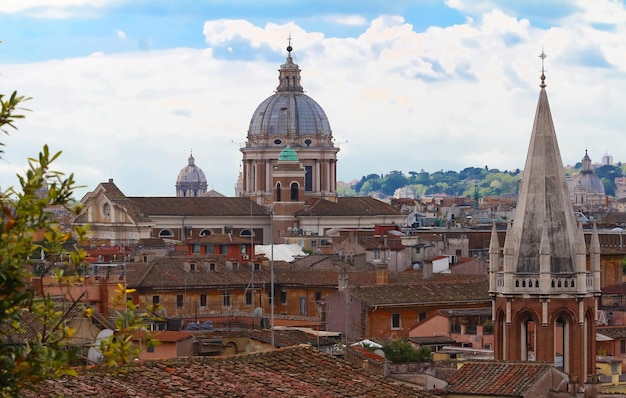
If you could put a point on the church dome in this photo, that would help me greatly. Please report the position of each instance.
(289, 112)
(587, 180)
(191, 180)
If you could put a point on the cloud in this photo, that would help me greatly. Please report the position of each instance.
(120, 34)
(56, 9)
(403, 99)
(349, 20)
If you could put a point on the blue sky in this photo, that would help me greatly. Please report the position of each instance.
(128, 88)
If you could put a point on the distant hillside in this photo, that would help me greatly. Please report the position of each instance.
(467, 182)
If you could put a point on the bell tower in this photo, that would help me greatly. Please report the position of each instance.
(545, 292)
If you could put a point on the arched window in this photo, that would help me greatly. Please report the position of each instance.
(165, 233)
(294, 192)
(206, 232)
(246, 233)
(278, 196)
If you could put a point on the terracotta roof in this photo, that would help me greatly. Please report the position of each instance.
(31, 326)
(290, 372)
(169, 272)
(612, 331)
(347, 206)
(290, 338)
(196, 206)
(614, 289)
(364, 353)
(151, 242)
(498, 378)
(441, 288)
(170, 336)
(142, 208)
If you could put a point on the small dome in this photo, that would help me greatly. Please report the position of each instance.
(191, 180)
(288, 154)
(587, 180)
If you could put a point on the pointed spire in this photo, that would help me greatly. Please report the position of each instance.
(594, 257)
(289, 74)
(494, 258)
(594, 245)
(494, 243)
(544, 195)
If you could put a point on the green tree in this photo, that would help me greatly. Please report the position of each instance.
(401, 351)
(24, 214)
(393, 181)
(119, 349)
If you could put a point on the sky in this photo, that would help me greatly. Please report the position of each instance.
(127, 89)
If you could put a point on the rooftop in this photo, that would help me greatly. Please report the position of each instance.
(290, 372)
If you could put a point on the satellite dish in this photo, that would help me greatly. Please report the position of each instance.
(257, 312)
(379, 352)
(94, 354)
(104, 334)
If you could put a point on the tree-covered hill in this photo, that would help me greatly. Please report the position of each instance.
(467, 182)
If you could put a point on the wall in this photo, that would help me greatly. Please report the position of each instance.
(192, 309)
(437, 325)
(167, 349)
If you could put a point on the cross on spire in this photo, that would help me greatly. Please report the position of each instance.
(543, 76)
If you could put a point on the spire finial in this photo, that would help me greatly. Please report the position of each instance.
(289, 48)
(543, 76)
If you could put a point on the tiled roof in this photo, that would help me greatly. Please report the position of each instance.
(112, 191)
(612, 331)
(166, 336)
(498, 378)
(432, 340)
(614, 289)
(290, 338)
(348, 206)
(441, 288)
(364, 353)
(196, 206)
(169, 272)
(32, 327)
(151, 242)
(289, 372)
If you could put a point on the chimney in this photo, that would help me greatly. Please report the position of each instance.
(343, 280)
(382, 274)
(427, 270)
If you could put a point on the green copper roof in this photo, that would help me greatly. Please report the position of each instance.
(288, 154)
